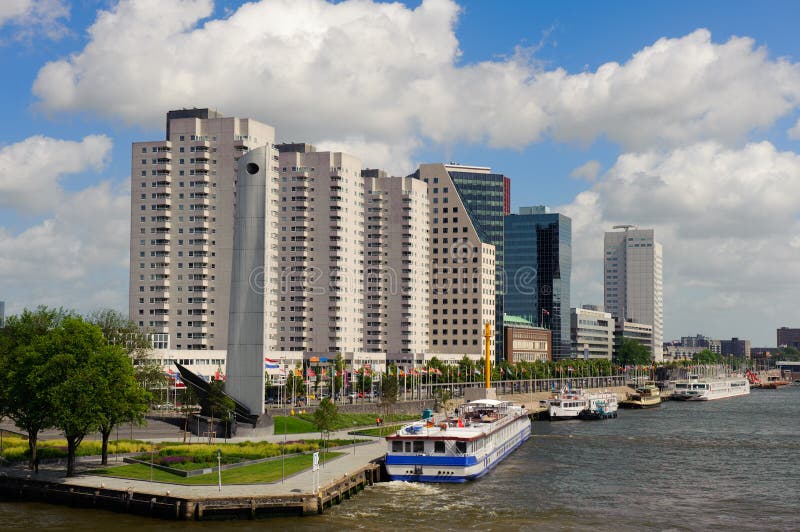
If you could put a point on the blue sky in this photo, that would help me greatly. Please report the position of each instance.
(684, 112)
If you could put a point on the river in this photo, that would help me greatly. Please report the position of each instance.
(732, 464)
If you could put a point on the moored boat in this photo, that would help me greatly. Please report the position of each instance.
(708, 389)
(460, 447)
(647, 396)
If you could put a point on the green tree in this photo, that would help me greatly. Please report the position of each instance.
(389, 392)
(325, 418)
(121, 397)
(706, 356)
(24, 388)
(631, 352)
(216, 403)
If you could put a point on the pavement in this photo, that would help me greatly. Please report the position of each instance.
(355, 457)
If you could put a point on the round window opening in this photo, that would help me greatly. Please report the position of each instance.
(252, 168)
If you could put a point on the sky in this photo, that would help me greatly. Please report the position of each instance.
(678, 116)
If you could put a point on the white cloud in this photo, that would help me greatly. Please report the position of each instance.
(728, 222)
(794, 132)
(77, 257)
(587, 171)
(31, 170)
(31, 17)
(384, 72)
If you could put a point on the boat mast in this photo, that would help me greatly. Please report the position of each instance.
(488, 335)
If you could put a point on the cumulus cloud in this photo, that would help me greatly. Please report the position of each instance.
(77, 257)
(587, 171)
(31, 171)
(388, 73)
(727, 221)
(30, 17)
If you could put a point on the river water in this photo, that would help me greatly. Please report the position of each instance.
(732, 464)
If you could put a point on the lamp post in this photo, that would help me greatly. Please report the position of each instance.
(354, 438)
(219, 469)
(152, 457)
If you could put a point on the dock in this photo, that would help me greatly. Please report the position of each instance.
(338, 480)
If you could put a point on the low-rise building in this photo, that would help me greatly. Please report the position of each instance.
(640, 332)
(592, 333)
(524, 342)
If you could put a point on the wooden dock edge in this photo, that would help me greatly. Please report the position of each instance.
(195, 509)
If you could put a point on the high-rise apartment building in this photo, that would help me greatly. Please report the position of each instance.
(538, 265)
(789, 337)
(632, 289)
(321, 308)
(463, 269)
(397, 276)
(182, 205)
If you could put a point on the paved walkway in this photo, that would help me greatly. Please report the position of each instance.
(355, 458)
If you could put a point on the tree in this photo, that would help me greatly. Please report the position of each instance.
(121, 398)
(631, 352)
(24, 387)
(78, 355)
(325, 417)
(389, 392)
(119, 330)
(128, 376)
(706, 356)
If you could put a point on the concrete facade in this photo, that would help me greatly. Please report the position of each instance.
(254, 277)
(592, 331)
(640, 332)
(735, 347)
(462, 272)
(633, 288)
(182, 208)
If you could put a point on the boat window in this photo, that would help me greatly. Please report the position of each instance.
(397, 446)
(461, 446)
(408, 446)
(419, 446)
(438, 446)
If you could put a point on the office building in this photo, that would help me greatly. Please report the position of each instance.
(592, 333)
(788, 337)
(633, 290)
(538, 263)
(465, 221)
(735, 347)
(640, 332)
(182, 211)
(524, 342)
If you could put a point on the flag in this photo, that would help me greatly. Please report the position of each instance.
(546, 312)
(298, 372)
(270, 360)
(270, 364)
(570, 368)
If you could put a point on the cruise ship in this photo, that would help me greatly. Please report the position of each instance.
(697, 389)
(460, 447)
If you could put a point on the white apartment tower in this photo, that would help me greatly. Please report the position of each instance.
(182, 214)
(632, 288)
(397, 260)
(462, 272)
(321, 304)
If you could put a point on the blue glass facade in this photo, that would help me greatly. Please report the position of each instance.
(483, 197)
(538, 266)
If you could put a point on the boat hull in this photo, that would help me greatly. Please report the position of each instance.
(449, 469)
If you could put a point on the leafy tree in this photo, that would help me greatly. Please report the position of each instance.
(788, 354)
(325, 417)
(121, 398)
(631, 352)
(24, 388)
(119, 330)
(706, 356)
(389, 392)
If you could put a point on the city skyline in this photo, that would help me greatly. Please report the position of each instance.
(673, 117)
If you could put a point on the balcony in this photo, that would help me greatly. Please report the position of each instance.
(161, 305)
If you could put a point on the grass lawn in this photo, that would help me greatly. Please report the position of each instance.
(302, 423)
(258, 473)
(379, 431)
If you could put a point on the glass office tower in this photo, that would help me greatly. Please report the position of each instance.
(538, 265)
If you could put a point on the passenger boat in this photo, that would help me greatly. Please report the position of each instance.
(696, 389)
(601, 405)
(566, 404)
(463, 446)
(647, 396)
(460, 447)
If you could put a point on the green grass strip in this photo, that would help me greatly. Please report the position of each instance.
(254, 474)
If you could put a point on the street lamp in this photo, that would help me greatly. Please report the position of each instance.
(354, 438)
(219, 469)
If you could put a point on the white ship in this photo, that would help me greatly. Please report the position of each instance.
(697, 389)
(574, 404)
(458, 448)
